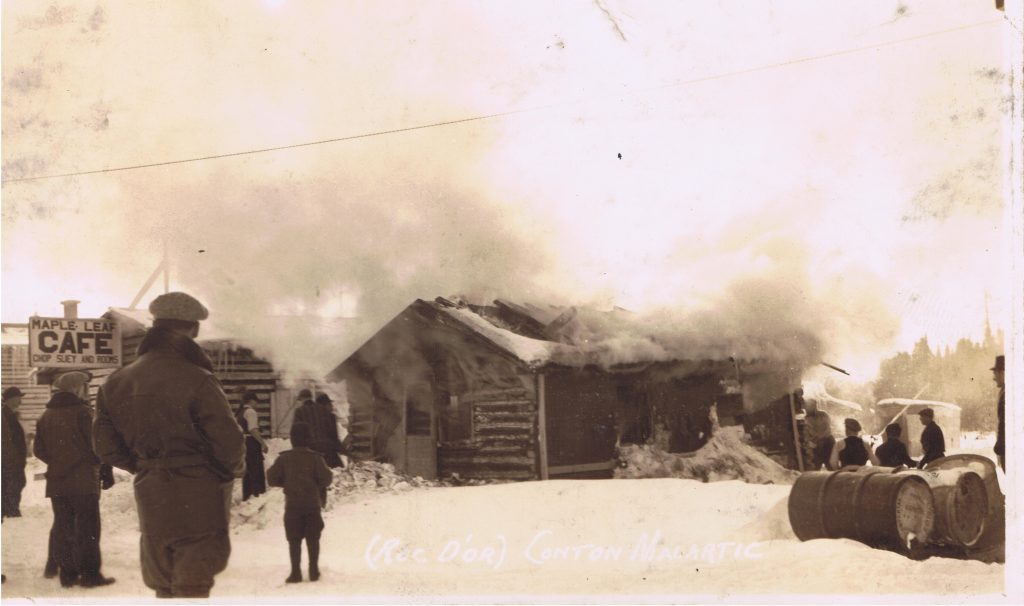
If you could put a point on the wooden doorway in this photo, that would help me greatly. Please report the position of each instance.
(419, 422)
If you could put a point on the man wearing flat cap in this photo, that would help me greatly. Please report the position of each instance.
(933, 443)
(64, 442)
(165, 418)
(999, 376)
(14, 451)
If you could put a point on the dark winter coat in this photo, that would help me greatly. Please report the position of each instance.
(64, 442)
(823, 452)
(165, 418)
(894, 453)
(1000, 448)
(933, 443)
(854, 453)
(323, 426)
(14, 446)
(304, 476)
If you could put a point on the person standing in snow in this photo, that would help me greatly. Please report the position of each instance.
(323, 426)
(894, 452)
(52, 568)
(933, 443)
(64, 442)
(305, 478)
(15, 450)
(255, 482)
(853, 450)
(999, 376)
(165, 418)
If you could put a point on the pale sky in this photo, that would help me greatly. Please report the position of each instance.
(848, 154)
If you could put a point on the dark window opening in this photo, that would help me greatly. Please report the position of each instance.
(634, 422)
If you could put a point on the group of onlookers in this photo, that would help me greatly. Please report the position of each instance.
(854, 450)
(165, 419)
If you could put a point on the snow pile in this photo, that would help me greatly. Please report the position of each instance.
(726, 456)
(371, 476)
(357, 482)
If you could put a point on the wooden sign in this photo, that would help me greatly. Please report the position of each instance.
(74, 343)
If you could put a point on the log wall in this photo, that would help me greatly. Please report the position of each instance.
(504, 438)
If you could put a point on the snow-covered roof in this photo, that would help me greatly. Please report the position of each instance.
(534, 352)
(568, 336)
(816, 391)
(916, 403)
(130, 319)
(15, 334)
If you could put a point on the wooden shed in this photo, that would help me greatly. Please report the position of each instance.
(904, 411)
(491, 392)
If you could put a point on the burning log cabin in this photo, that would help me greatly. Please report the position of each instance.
(502, 391)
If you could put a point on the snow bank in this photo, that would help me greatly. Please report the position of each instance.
(391, 538)
(359, 481)
(726, 456)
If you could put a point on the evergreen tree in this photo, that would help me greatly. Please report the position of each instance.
(960, 376)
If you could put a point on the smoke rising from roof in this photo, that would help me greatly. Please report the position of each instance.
(804, 210)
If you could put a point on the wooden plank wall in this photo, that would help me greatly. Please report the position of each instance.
(504, 442)
(15, 373)
(240, 371)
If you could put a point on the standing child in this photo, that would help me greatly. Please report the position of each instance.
(305, 477)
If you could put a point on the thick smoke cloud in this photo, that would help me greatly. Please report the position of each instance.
(801, 211)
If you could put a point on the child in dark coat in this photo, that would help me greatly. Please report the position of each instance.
(305, 477)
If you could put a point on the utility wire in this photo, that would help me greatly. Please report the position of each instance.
(393, 131)
(270, 149)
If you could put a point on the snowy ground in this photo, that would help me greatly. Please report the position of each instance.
(629, 537)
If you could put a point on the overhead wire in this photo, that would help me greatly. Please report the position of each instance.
(491, 116)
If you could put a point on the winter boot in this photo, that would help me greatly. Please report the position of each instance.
(51, 570)
(295, 554)
(314, 559)
(94, 580)
(68, 579)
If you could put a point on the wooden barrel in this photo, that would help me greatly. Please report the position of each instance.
(872, 505)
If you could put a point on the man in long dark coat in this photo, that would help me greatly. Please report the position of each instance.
(165, 418)
(999, 376)
(64, 442)
(319, 415)
(14, 453)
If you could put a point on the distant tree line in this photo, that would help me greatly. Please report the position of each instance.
(960, 375)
